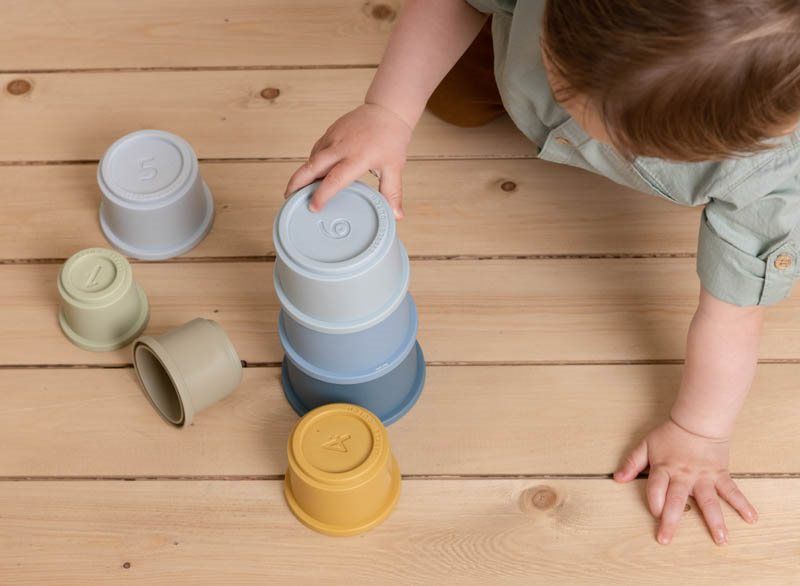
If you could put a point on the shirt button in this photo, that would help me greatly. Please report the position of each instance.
(783, 262)
(563, 140)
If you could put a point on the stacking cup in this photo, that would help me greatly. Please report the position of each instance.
(154, 203)
(389, 395)
(342, 477)
(102, 307)
(187, 369)
(342, 269)
(358, 356)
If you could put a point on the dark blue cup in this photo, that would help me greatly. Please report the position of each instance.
(389, 396)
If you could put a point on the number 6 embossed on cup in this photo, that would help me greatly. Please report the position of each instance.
(339, 228)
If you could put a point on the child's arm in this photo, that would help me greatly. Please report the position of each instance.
(688, 454)
(427, 40)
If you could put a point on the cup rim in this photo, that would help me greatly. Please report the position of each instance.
(161, 198)
(328, 376)
(361, 263)
(341, 530)
(346, 327)
(188, 244)
(121, 341)
(171, 369)
(226, 341)
(387, 419)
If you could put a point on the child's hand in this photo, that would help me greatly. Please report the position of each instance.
(683, 464)
(370, 138)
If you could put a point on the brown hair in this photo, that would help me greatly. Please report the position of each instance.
(687, 80)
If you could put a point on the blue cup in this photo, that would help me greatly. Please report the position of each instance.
(358, 356)
(342, 268)
(389, 396)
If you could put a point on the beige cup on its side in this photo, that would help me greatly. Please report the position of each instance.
(187, 369)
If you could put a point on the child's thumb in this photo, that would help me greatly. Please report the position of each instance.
(633, 464)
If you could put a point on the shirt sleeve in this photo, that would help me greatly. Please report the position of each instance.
(493, 6)
(748, 250)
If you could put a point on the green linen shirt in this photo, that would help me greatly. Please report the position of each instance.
(750, 228)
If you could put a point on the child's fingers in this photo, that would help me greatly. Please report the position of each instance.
(674, 504)
(321, 144)
(657, 484)
(318, 164)
(728, 490)
(633, 464)
(339, 177)
(706, 496)
(392, 189)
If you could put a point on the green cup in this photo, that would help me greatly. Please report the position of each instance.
(102, 307)
(187, 369)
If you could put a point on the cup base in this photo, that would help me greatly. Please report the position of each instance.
(345, 530)
(143, 254)
(386, 418)
(119, 342)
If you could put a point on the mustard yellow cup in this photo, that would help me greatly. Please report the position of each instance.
(342, 477)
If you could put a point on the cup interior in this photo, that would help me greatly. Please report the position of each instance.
(159, 385)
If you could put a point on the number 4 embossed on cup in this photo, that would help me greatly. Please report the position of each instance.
(336, 443)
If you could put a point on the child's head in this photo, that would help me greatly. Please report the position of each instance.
(679, 79)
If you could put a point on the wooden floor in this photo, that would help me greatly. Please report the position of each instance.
(553, 308)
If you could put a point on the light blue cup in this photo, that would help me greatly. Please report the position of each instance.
(389, 396)
(342, 269)
(358, 356)
(154, 204)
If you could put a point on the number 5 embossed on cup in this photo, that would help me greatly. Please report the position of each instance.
(147, 169)
(155, 204)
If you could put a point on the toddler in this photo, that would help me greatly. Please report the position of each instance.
(696, 102)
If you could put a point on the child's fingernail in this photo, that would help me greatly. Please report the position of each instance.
(720, 537)
(663, 540)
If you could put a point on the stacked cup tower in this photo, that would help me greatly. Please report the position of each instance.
(348, 325)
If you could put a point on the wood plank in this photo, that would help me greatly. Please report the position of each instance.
(450, 531)
(509, 420)
(501, 207)
(76, 116)
(76, 34)
(597, 310)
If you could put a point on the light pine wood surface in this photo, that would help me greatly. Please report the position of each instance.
(547, 310)
(471, 420)
(455, 208)
(91, 34)
(471, 531)
(76, 116)
(553, 311)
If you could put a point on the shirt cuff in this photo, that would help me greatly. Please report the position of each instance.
(737, 277)
(485, 6)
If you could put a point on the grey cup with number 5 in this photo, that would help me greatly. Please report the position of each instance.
(155, 205)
